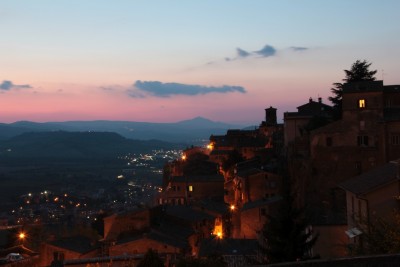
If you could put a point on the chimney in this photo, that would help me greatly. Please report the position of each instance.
(310, 100)
(319, 99)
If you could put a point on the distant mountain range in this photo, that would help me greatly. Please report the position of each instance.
(188, 131)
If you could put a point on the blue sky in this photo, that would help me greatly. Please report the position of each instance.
(78, 60)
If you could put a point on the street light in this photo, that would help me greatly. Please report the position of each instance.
(21, 237)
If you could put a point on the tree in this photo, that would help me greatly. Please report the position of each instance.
(151, 259)
(359, 71)
(287, 235)
(380, 236)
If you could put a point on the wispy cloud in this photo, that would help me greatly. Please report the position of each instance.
(9, 85)
(266, 51)
(143, 89)
(242, 53)
(298, 48)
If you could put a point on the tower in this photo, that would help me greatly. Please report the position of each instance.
(270, 116)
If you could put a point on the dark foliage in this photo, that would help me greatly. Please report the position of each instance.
(380, 236)
(151, 259)
(286, 236)
(233, 158)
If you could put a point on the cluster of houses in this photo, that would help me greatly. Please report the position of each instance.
(216, 199)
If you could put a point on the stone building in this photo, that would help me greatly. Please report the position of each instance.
(297, 125)
(367, 136)
(371, 195)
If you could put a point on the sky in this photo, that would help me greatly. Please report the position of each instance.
(166, 61)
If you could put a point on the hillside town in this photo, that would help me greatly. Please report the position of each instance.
(326, 179)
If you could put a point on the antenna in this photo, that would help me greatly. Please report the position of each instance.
(383, 74)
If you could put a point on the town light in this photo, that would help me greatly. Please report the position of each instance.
(232, 207)
(183, 157)
(21, 235)
(219, 235)
(210, 146)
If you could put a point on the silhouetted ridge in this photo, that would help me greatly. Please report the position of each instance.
(62, 144)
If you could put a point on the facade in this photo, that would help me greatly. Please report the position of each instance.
(129, 221)
(371, 195)
(68, 248)
(297, 125)
(364, 138)
(182, 190)
(254, 184)
(253, 216)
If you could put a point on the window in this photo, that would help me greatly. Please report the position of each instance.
(395, 139)
(329, 141)
(362, 140)
(190, 188)
(361, 103)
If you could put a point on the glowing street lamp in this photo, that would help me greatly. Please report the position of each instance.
(232, 207)
(21, 237)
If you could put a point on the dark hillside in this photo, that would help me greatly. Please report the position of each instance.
(76, 145)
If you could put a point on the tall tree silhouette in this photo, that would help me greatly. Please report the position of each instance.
(286, 236)
(359, 71)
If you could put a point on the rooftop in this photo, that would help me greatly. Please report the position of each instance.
(187, 213)
(373, 179)
(78, 244)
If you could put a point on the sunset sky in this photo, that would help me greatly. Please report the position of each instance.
(170, 60)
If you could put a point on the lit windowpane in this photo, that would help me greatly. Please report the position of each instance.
(190, 188)
(361, 103)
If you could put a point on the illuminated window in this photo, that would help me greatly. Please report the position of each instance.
(361, 103)
(190, 188)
